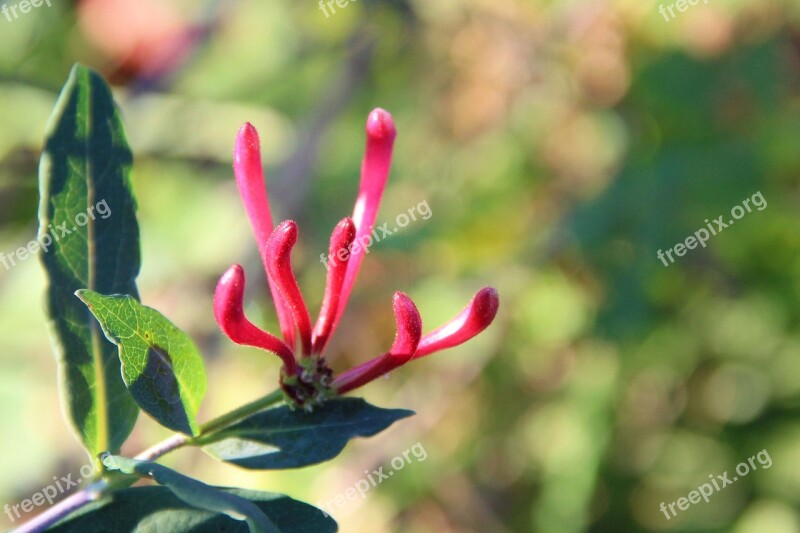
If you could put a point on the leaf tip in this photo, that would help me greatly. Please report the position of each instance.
(85, 295)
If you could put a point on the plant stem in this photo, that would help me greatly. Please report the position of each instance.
(93, 492)
(97, 490)
(237, 414)
(179, 440)
(163, 447)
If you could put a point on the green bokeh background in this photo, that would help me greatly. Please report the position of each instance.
(559, 144)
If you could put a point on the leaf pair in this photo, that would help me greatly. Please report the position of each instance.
(195, 493)
(86, 161)
(275, 438)
(159, 509)
(90, 240)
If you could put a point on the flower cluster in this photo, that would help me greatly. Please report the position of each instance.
(307, 380)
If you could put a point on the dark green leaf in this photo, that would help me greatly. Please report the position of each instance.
(160, 364)
(90, 238)
(194, 492)
(157, 509)
(286, 438)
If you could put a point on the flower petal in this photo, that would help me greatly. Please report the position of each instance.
(231, 319)
(279, 266)
(341, 239)
(253, 191)
(375, 166)
(473, 319)
(409, 331)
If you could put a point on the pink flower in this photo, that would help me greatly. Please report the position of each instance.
(306, 378)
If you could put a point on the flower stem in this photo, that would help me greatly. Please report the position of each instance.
(237, 414)
(97, 490)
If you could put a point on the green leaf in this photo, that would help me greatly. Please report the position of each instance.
(156, 508)
(90, 239)
(194, 492)
(286, 438)
(160, 364)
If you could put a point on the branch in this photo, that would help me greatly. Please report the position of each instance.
(67, 506)
(101, 488)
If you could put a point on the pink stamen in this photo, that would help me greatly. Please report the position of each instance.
(253, 191)
(409, 331)
(230, 316)
(279, 266)
(341, 239)
(473, 319)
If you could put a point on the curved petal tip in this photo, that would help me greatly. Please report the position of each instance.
(473, 319)
(486, 304)
(409, 325)
(247, 144)
(380, 125)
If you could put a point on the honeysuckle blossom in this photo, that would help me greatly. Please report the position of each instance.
(306, 377)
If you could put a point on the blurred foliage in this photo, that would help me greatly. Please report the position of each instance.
(559, 145)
